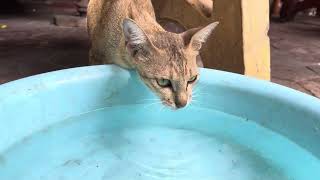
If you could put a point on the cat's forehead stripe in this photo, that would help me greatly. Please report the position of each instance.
(174, 62)
(164, 40)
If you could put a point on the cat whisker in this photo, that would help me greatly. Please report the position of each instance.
(203, 93)
(195, 96)
(195, 102)
(161, 109)
(148, 100)
(199, 89)
(151, 104)
(151, 99)
(195, 90)
(201, 86)
(200, 94)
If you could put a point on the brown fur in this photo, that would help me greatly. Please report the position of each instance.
(125, 32)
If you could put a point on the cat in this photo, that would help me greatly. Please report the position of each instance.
(126, 33)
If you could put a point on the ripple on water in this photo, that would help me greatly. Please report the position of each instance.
(130, 143)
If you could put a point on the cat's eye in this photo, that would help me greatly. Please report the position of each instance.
(193, 79)
(164, 82)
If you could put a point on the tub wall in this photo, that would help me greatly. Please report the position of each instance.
(32, 104)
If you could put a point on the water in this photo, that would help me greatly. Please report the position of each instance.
(150, 143)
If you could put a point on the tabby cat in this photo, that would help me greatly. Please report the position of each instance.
(126, 33)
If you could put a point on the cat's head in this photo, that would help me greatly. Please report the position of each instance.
(166, 62)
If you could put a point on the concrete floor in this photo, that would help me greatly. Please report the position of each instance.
(31, 46)
(295, 54)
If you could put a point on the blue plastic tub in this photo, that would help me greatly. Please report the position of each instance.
(101, 122)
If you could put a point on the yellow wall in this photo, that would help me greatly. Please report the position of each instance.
(240, 44)
(256, 43)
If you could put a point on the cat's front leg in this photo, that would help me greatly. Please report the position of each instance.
(96, 58)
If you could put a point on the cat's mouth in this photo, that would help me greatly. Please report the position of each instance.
(173, 106)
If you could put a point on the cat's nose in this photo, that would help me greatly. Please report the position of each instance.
(181, 104)
(181, 101)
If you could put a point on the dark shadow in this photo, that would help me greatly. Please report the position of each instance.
(31, 46)
(10, 7)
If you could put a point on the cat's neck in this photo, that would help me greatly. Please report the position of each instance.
(145, 19)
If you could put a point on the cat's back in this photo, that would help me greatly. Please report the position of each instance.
(104, 20)
(104, 28)
(99, 11)
(102, 13)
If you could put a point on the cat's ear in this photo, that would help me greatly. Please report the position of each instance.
(136, 39)
(194, 38)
